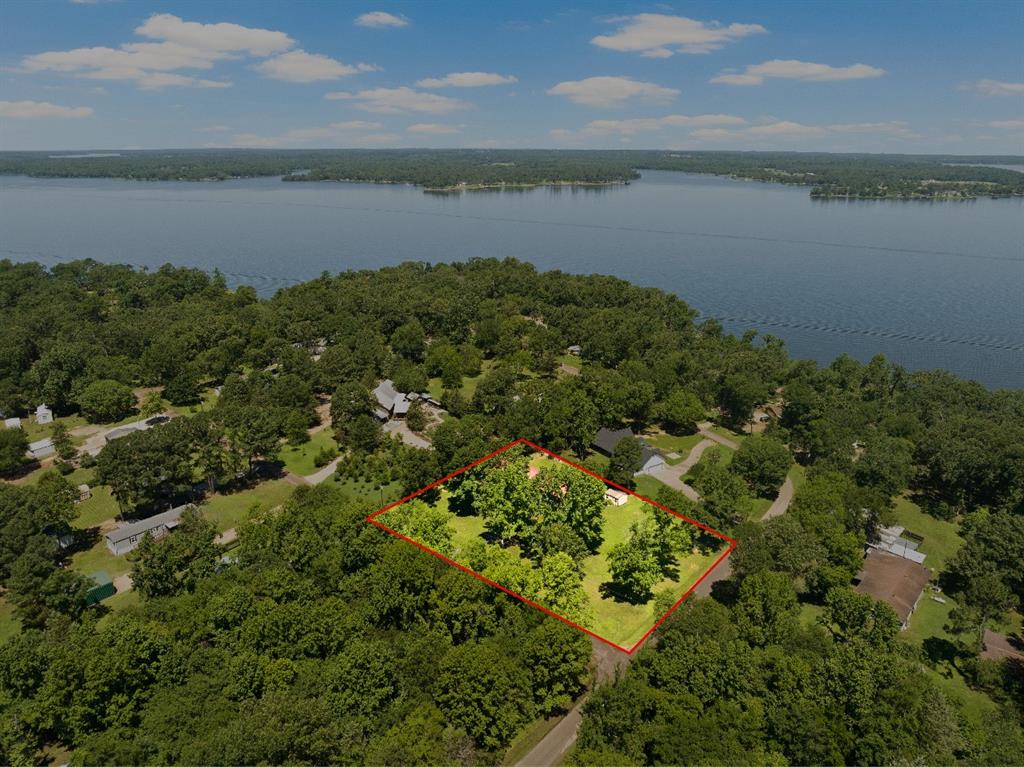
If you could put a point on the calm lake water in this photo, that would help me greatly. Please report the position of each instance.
(927, 284)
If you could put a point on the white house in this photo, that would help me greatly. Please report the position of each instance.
(616, 497)
(44, 415)
(127, 536)
(42, 448)
(12, 423)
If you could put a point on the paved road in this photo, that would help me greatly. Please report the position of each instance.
(671, 476)
(781, 503)
(705, 431)
(606, 662)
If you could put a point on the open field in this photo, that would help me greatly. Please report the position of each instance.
(617, 621)
(298, 459)
(669, 443)
(229, 510)
(434, 387)
(941, 539)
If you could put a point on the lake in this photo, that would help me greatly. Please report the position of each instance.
(927, 284)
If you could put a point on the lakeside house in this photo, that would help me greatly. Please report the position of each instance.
(608, 439)
(128, 535)
(894, 580)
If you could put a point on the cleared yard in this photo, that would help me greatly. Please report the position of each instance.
(9, 625)
(941, 539)
(469, 383)
(298, 459)
(669, 443)
(230, 510)
(619, 622)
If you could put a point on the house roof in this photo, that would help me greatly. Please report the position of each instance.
(43, 444)
(892, 579)
(143, 526)
(386, 394)
(607, 439)
(12, 423)
(611, 492)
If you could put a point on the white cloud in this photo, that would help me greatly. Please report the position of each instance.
(218, 38)
(895, 128)
(180, 45)
(301, 67)
(1007, 124)
(786, 129)
(33, 109)
(404, 99)
(657, 35)
(995, 88)
(379, 19)
(610, 91)
(636, 125)
(436, 129)
(791, 69)
(466, 80)
(296, 136)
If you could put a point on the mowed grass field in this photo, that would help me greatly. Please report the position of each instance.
(619, 622)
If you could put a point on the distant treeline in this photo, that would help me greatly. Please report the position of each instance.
(860, 176)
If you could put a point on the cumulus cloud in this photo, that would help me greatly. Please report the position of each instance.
(216, 38)
(995, 88)
(301, 67)
(27, 110)
(179, 45)
(404, 99)
(791, 69)
(381, 19)
(1007, 124)
(466, 80)
(786, 129)
(611, 91)
(297, 136)
(896, 128)
(657, 35)
(437, 129)
(636, 125)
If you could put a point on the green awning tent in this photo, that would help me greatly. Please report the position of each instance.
(102, 588)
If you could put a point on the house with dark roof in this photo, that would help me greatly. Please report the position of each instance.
(608, 439)
(894, 580)
(392, 403)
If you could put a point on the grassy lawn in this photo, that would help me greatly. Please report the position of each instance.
(98, 559)
(929, 618)
(369, 491)
(809, 614)
(207, 399)
(729, 434)
(298, 459)
(229, 510)
(434, 387)
(669, 443)
(99, 508)
(941, 539)
(620, 622)
(798, 475)
(116, 603)
(9, 625)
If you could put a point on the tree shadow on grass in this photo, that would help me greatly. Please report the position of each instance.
(940, 652)
(610, 590)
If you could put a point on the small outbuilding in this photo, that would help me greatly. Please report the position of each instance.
(42, 448)
(44, 415)
(102, 587)
(576, 350)
(12, 423)
(616, 497)
(84, 493)
(894, 580)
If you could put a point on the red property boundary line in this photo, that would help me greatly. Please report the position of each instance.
(372, 518)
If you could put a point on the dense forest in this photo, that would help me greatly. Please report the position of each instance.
(859, 176)
(318, 638)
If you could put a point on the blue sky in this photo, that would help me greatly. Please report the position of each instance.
(882, 77)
